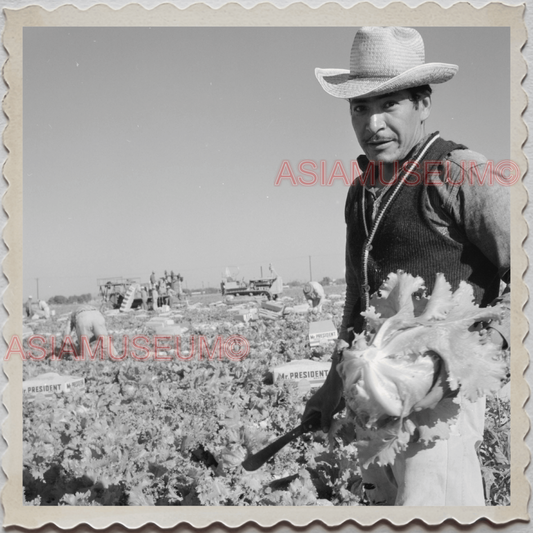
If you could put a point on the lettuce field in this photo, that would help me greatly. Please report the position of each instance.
(175, 432)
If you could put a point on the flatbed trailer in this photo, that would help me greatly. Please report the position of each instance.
(113, 290)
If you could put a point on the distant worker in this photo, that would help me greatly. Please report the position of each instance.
(155, 296)
(277, 285)
(179, 288)
(44, 309)
(152, 280)
(144, 298)
(315, 295)
(107, 291)
(88, 322)
(29, 307)
(163, 293)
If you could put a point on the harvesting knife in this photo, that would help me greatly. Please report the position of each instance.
(255, 461)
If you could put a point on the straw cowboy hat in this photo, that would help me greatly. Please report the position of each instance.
(384, 60)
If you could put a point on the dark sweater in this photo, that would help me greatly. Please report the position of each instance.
(404, 240)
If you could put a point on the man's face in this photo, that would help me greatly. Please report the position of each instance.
(389, 126)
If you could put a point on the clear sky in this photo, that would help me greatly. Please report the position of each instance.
(158, 148)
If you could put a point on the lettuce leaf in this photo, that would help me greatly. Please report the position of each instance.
(395, 363)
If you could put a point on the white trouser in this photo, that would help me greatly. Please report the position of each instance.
(446, 473)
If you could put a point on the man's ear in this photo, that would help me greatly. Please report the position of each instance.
(425, 107)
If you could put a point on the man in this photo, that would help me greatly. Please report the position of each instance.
(29, 307)
(315, 295)
(144, 298)
(179, 287)
(44, 309)
(163, 293)
(421, 218)
(277, 285)
(155, 297)
(88, 322)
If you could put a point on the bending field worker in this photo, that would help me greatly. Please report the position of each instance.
(88, 322)
(439, 224)
(315, 295)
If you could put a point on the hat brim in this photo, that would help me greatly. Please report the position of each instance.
(341, 84)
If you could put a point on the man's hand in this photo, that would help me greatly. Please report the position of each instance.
(328, 399)
(492, 332)
(496, 336)
(322, 406)
(440, 390)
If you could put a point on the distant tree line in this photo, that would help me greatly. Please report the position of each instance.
(211, 290)
(76, 299)
(325, 281)
(203, 290)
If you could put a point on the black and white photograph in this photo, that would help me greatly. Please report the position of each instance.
(268, 265)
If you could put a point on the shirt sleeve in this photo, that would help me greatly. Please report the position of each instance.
(477, 197)
(352, 304)
(479, 204)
